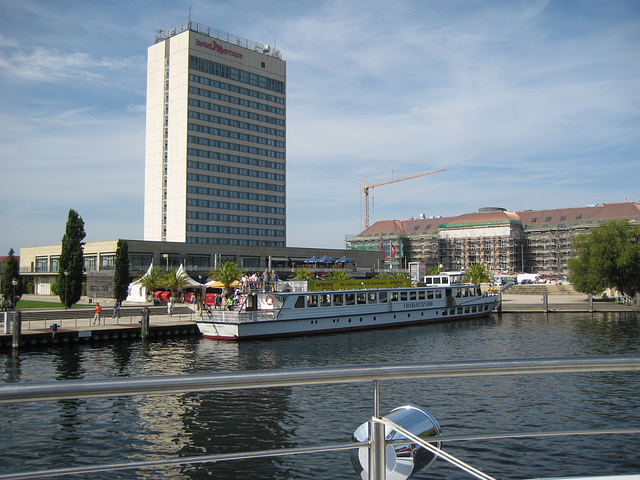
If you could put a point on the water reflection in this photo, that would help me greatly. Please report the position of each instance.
(75, 432)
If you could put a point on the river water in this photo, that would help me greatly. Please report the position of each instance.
(71, 433)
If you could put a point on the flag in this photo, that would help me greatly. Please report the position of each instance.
(381, 247)
(393, 251)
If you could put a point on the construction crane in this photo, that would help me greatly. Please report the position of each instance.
(366, 188)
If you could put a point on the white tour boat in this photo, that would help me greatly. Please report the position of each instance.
(321, 307)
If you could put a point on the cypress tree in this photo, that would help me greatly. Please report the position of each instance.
(121, 273)
(11, 272)
(71, 260)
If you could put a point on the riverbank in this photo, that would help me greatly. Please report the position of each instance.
(42, 326)
(517, 303)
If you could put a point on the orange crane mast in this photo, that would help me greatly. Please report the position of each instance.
(366, 188)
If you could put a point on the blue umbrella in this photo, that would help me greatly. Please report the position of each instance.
(313, 259)
(344, 260)
(326, 259)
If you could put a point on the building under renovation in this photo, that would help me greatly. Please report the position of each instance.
(535, 241)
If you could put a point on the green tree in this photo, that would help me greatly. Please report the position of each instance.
(392, 275)
(11, 273)
(607, 256)
(71, 260)
(152, 280)
(338, 275)
(476, 273)
(226, 273)
(302, 274)
(174, 281)
(121, 272)
(433, 271)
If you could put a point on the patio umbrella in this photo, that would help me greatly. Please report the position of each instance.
(313, 259)
(326, 259)
(344, 260)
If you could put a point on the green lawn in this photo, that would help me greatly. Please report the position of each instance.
(39, 304)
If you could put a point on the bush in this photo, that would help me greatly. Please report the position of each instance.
(55, 289)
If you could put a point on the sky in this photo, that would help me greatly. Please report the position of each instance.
(526, 104)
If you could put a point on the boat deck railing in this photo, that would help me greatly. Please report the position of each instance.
(243, 380)
(235, 316)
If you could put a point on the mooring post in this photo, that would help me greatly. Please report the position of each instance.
(376, 438)
(7, 322)
(545, 301)
(591, 302)
(16, 328)
(500, 303)
(144, 323)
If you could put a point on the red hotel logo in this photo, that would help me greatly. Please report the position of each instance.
(218, 48)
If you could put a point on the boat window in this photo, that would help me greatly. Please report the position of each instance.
(300, 302)
(413, 295)
(349, 299)
(474, 309)
(421, 295)
(478, 291)
(383, 297)
(403, 296)
(466, 310)
(465, 292)
(312, 301)
(394, 296)
(430, 294)
(362, 298)
(325, 300)
(444, 312)
(338, 299)
(436, 280)
(373, 298)
(428, 281)
(457, 293)
(438, 293)
(459, 310)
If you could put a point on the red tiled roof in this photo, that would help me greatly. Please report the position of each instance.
(630, 210)
(577, 214)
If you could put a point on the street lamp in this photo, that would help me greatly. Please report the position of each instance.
(14, 282)
(66, 274)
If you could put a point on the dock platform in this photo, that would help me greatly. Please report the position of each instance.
(57, 326)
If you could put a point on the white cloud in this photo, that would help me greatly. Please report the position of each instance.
(526, 104)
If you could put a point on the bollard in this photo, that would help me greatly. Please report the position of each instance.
(144, 323)
(545, 301)
(17, 328)
(7, 323)
(591, 302)
(500, 304)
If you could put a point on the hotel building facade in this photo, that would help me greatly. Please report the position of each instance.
(215, 156)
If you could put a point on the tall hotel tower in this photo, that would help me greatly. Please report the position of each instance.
(215, 144)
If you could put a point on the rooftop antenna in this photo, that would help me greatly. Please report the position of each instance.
(189, 17)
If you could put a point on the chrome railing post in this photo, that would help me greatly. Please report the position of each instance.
(376, 439)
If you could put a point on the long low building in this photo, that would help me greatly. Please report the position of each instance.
(538, 241)
(40, 265)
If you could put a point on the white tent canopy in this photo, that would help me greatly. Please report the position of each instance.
(138, 293)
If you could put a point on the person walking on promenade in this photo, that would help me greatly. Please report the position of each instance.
(96, 316)
(116, 309)
(169, 307)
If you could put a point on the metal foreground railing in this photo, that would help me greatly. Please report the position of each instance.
(109, 387)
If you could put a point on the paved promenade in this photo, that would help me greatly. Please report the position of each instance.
(559, 303)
